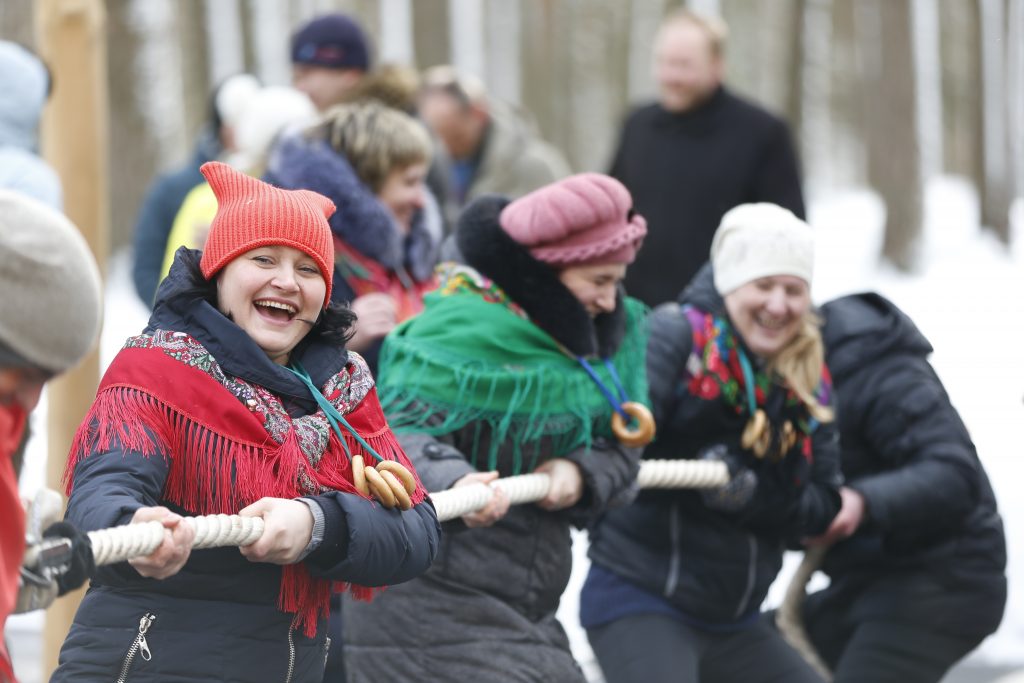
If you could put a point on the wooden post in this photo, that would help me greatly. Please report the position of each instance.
(74, 141)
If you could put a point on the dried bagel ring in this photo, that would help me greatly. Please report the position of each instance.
(644, 432)
(400, 471)
(359, 475)
(756, 426)
(380, 488)
(402, 498)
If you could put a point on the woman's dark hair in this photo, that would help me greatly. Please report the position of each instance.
(332, 326)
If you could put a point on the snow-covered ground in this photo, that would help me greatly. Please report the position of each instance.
(967, 296)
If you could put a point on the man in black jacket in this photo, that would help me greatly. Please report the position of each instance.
(918, 564)
(696, 153)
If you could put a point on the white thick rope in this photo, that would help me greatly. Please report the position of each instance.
(136, 540)
(121, 543)
(529, 488)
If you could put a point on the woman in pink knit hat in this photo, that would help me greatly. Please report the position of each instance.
(518, 364)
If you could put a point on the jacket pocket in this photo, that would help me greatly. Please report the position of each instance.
(138, 648)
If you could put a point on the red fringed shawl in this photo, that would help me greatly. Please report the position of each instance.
(230, 443)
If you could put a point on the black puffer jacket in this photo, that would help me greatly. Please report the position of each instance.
(220, 608)
(906, 450)
(714, 566)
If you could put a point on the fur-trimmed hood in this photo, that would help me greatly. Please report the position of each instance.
(361, 220)
(534, 285)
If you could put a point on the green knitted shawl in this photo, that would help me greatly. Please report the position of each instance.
(474, 358)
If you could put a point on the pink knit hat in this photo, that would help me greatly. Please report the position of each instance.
(585, 218)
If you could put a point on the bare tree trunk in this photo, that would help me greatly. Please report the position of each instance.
(759, 59)
(431, 38)
(466, 27)
(996, 186)
(925, 27)
(503, 19)
(195, 63)
(395, 45)
(545, 35)
(224, 39)
(249, 47)
(1015, 92)
(598, 50)
(960, 47)
(647, 15)
(791, 72)
(815, 71)
(271, 50)
(16, 22)
(894, 159)
(847, 115)
(132, 141)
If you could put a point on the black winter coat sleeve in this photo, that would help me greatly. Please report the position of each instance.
(668, 347)
(110, 485)
(921, 475)
(364, 543)
(796, 511)
(370, 545)
(609, 472)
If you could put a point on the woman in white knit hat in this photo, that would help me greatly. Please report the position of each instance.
(736, 374)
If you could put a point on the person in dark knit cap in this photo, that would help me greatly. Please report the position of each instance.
(239, 397)
(330, 56)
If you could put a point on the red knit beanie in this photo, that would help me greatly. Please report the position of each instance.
(585, 218)
(252, 213)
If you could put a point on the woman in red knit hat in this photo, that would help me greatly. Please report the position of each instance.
(517, 364)
(239, 397)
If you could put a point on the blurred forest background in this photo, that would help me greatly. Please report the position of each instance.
(880, 93)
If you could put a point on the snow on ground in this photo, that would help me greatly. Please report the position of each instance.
(966, 297)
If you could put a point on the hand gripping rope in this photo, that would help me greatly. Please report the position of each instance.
(118, 544)
(121, 543)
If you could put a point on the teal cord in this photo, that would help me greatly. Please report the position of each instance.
(748, 380)
(331, 413)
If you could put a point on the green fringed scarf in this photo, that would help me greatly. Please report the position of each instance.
(474, 358)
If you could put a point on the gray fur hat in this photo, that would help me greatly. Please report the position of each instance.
(51, 306)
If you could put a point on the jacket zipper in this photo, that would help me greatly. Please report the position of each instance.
(675, 556)
(291, 653)
(751, 577)
(139, 645)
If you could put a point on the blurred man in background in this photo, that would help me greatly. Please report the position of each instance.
(330, 57)
(694, 154)
(492, 149)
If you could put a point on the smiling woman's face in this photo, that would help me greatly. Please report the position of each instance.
(275, 294)
(768, 312)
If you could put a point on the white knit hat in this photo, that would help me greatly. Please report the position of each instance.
(50, 309)
(759, 240)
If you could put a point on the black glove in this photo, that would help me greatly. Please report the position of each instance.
(82, 564)
(742, 486)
